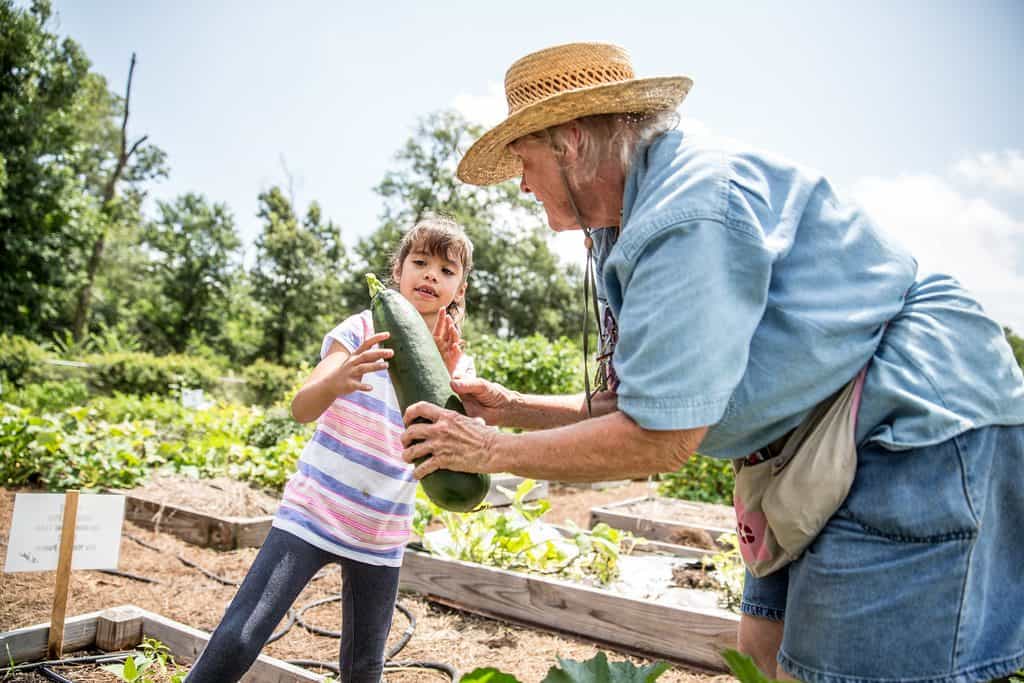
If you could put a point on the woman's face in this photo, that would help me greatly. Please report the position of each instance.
(429, 281)
(542, 177)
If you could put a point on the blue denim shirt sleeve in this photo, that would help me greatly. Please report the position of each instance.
(679, 287)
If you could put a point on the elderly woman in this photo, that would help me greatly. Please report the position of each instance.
(748, 308)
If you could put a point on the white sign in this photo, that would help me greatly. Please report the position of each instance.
(195, 399)
(34, 542)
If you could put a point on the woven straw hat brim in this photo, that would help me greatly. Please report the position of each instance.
(489, 160)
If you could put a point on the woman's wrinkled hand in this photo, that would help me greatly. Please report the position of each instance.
(487, 400)
(452, 440)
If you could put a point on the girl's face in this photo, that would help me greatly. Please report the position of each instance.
(429, 281)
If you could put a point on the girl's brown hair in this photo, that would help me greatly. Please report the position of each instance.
(440, 236)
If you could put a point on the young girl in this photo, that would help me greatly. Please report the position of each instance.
(352, 499)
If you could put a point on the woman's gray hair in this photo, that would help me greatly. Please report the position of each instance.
(608, 136)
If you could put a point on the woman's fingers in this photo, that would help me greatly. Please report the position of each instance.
(427, 411)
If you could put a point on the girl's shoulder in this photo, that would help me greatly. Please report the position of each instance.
(350, 333)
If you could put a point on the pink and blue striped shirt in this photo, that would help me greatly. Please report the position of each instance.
(352, 494)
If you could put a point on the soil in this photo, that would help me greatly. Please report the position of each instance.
(221, 496)
(459, 639)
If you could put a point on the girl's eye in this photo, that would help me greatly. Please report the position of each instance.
(419, 262)
(448, 271)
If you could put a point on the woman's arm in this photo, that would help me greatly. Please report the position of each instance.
(502, 407)
(609, 447)
(338, 373)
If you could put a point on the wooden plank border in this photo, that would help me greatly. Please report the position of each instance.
(184, 642)
(193, 526)
(653, 528)
(692, 636)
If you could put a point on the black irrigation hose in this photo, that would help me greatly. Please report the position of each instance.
(106, 657)
(51, 675)
(296, 618)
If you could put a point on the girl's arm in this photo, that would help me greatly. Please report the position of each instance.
(339, 373)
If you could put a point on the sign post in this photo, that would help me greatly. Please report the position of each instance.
(55, 645)
(64, 532)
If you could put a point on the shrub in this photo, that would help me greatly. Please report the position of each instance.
(47, 397)
(266, 383)
(532, 365)
(702, 478)
(144, 373)
(275, 426)
(20, 359)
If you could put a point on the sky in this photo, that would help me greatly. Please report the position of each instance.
(911, 108)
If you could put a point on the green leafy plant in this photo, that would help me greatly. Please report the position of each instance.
(266, 383)
(532, 365)
(744, 669)
(516, 538)
(730, 571)
(702, 479)
(154, 664)
(595, 670)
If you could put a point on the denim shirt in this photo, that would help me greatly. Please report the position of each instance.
(745, 292)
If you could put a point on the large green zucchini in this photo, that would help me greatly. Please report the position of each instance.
(418, 373)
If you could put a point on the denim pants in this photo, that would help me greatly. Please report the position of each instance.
(920, 574)
(283, 567)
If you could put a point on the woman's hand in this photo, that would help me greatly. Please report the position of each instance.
(487, 400)
(452, 440)
(449, 341)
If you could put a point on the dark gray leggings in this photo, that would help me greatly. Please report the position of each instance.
(282, 568)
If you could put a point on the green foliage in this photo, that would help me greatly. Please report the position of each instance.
(266, 383)
(59, 139)
(295, 278)
(118, 441)
(193, 248)
(532, 365)
(19, 359)
(144, 373)
(46, 397)
(1017, 344)
(595, 670)
(744, 669)
(730, 571)
(153, 665)
(515, 538)
(702, 478)
(275, 426)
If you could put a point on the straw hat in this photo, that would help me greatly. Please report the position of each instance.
(557, 85)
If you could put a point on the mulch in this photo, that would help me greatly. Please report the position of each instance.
(459, 639)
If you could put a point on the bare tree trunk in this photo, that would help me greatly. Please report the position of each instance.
(80, 326)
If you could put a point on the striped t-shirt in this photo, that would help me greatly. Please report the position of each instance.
(352, 494)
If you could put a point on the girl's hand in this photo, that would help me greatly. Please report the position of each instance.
(483, 399)
(448, 340)
(348, 376)
(453, 441)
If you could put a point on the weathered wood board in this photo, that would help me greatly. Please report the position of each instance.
(694, 635)
(184, 642)
(677, 530)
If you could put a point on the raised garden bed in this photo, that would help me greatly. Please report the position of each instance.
(217, 513)
(679, 522)
(123, 628)
(650, 616)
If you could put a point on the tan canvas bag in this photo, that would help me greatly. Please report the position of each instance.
(784, 502)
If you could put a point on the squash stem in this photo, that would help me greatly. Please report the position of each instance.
(375, 285)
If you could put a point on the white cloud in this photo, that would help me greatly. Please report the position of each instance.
(950, 232)
(486, 110)
(1004, 171)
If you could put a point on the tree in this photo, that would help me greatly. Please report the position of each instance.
(296, 277)
(58, 143)
(517, 286)
(193, 247)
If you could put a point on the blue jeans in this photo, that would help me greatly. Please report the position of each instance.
(920, 574)
(282, 568)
